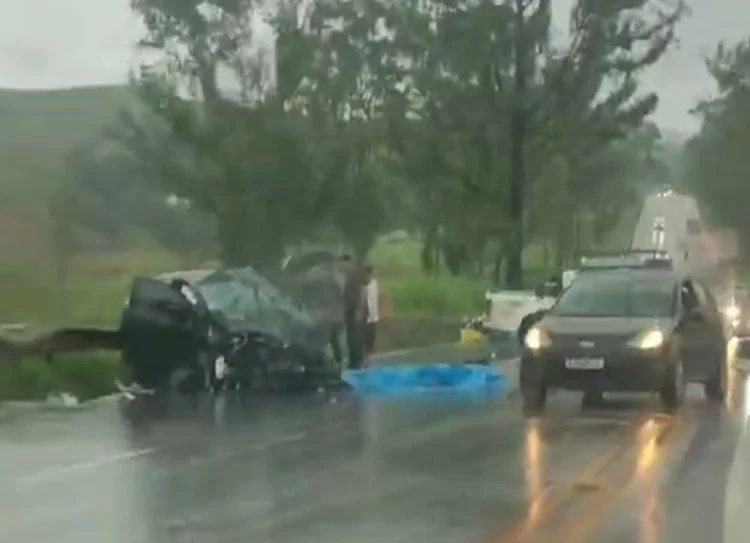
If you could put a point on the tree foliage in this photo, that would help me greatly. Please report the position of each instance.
(718, 165)
(461, 120)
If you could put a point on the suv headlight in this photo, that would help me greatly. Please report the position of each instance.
(536, 339)
(649, 339)
(732, 311)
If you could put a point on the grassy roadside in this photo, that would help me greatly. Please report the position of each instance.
(423, 310)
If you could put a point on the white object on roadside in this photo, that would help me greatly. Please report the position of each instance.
(568, 276)
(220, 367)
(64, 399)
(372, 300)
(508, 308)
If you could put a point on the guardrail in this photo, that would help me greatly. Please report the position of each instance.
(15, 327)
(62, 340)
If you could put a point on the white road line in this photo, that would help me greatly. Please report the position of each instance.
(57, 472)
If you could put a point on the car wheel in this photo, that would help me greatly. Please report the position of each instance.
(672, 392)
(533, 387)
(715, 387)
(534, 398)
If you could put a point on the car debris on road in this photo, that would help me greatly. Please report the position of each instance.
(221, 329)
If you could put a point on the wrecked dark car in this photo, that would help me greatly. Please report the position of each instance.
(222, 329)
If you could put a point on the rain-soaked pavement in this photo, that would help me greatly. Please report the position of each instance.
(447, 469)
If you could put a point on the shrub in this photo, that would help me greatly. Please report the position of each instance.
(86, 375)
(425, 295)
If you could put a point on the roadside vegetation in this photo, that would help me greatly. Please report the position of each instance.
(454, 166)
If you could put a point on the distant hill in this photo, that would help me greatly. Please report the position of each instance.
(37, 130)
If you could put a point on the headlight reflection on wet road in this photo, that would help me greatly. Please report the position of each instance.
(534, 471)
(733, 398)
(651, 513)
(617, 485)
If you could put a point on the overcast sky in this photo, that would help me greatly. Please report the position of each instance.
(56, 43)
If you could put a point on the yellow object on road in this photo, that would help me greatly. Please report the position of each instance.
(470, 336)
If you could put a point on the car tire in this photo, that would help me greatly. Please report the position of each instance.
(673, 388)
(534, 399)
(715, 387)
(533, 388)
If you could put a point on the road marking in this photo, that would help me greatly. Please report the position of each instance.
(601, 493)
(540, 508)
(57, 472)
(590, 519)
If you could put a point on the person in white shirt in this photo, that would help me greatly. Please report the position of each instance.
(372, 311)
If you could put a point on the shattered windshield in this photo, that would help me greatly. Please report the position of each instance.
(244, 295)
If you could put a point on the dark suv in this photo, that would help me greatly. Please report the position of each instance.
(627, 330)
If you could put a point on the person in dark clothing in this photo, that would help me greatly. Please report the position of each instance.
(332, 291)
(353, 314)
(322, 295)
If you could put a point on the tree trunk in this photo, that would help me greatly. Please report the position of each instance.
(514, 268)
(496, 276)
(455, 257)
(427, 254)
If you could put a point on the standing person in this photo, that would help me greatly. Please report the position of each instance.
(353, 311)
(322, 295)
(372, 313)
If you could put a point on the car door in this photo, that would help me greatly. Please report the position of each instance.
(699, 326)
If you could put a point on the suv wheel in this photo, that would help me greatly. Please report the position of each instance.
(672, 392)
(533, 387)
(534, 398)
(715, 387)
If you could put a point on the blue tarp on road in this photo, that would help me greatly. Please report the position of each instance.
(423, 378)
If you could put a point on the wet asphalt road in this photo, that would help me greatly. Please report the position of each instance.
(336, 469)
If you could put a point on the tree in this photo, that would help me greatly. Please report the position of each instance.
(590, 116)
(717, 163)
(460, 119)
(345, 97)
(244, 158)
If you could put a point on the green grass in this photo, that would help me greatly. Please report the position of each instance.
(94, 296)
(422, 308)
(88, 375)
(435, 296)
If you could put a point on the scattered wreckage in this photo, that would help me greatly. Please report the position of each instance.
(214, 329)
(219, 330)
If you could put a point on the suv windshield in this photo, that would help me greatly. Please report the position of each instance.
(616, 297)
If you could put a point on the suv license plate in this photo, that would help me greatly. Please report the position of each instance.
(584, 363)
